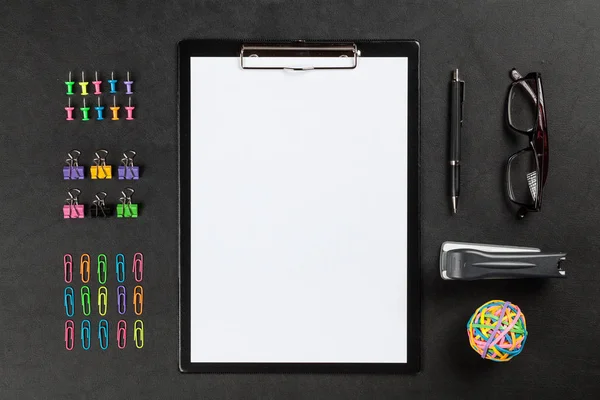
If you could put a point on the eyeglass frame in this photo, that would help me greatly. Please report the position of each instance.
(538, 140)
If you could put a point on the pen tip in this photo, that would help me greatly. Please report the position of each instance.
(454, 204)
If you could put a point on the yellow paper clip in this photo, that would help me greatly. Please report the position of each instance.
(84, 268)
(138, 333)
(102, 300)
(138, 300)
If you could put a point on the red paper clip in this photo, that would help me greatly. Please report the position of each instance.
(122, 334)
(68, 263)
(138, 300)
(138, 266)
(69, 335)
(84, 268)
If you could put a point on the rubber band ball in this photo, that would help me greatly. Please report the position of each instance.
(497, 331)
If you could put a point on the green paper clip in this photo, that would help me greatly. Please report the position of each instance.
(85, 300)
(102, 268)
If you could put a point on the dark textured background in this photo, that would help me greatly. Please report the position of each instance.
(41, 41)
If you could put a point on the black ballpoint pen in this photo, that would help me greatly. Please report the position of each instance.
(457, 93)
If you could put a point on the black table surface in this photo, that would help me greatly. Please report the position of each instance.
(41, 41)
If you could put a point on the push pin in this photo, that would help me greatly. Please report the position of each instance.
(72, 208)
(85, 111)
(128, 84)
(83, 84)
(72, 171)
(127, 209)
(129, 111)
(99, 110)
(97, 84)
(128, 170)
(70, 84)
(113, 83)
(69, 111)
(99, 208)
(115, 110)
(100, 170)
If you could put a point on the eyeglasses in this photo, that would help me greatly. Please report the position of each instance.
(527, 170)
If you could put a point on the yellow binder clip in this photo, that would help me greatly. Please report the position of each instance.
(100, 170)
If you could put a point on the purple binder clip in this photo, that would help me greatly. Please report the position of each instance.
(72, 170)
(128, 170)
(72, 208)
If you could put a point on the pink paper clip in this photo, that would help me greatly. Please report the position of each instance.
(68, 264)
(69, 335)
(138, 267)
(122, 334)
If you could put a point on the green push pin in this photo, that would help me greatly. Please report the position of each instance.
(70, 84)
(85, 111)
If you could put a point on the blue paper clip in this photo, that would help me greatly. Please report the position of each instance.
(69, 301)
(121, 299)
(103, 334)
(120, 265)
(86, 334)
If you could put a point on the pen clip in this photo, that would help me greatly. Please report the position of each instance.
(462, 100)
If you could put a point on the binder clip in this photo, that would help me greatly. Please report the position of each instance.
(72, 208)
(127, 209)
(99, 209)
(72, 171)
(128, 170)
(468, 261)
(100, 170)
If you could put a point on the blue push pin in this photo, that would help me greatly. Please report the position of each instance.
(99, 110)
(113, 83)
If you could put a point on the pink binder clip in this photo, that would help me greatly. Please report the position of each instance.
(72, 208)
(138, 267)
(68, 264)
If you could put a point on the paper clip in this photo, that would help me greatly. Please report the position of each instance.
(68, 264)
(127, 209)
(102, 268)
(100, 170)
(69, 335)
(103, 334)
(69, 301)
(72, 170)
(84, 268)
(72, 209)
(122, 334)
(86, 334)
(121, 299)
(99, 209)
(138, 300)
(138, 267)
(102, 300)
(120, 266)
(128, 170)
(138, 333)
(85, 300)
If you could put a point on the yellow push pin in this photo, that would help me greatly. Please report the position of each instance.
(115, 109)
(83, 84)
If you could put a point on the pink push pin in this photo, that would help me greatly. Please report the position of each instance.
(129, 111)
(69, 111)
(97, 84)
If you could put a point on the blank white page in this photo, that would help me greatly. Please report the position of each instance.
(299, 213)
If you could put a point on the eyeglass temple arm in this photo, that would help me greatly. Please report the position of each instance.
(515, 75)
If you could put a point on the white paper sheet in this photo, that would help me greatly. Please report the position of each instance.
(298, 213)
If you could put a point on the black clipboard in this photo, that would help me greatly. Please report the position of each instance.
(348, 50)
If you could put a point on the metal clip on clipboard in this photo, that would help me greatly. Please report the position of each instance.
(288, 56)
(468, 261)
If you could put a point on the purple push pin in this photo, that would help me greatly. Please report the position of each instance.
(128, 170)
(121, 299)
(72, 170)
(128, 84)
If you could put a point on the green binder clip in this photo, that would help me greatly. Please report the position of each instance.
(127, 209)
